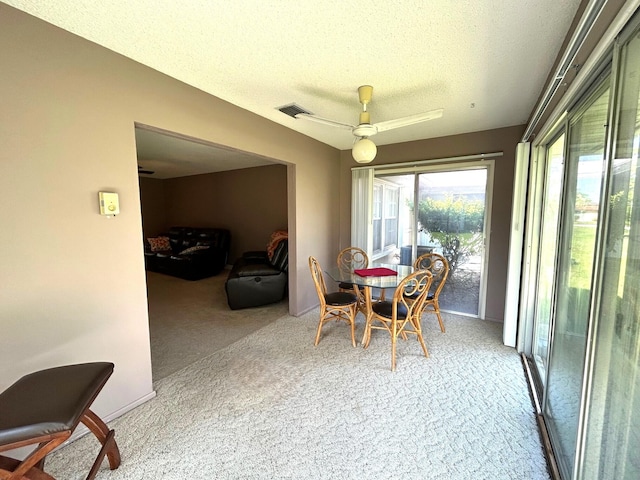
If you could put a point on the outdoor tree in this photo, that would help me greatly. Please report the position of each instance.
(456, 223)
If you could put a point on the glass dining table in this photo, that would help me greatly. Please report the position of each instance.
(366, 283)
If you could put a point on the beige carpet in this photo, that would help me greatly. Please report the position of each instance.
(273, 406)
(191, 320)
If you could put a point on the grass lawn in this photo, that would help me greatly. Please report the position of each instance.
(582, 252)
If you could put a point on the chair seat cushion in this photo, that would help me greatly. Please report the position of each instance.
(340, 298)
(254, 269)
(50, 401)
(412, 296)
(385, 309)
(345, 286)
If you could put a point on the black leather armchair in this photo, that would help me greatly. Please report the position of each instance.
(194, 253)
(256, 279)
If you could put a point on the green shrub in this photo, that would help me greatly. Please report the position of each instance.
(453, 214)
(455, 223)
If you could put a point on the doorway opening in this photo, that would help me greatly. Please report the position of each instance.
(198, 184)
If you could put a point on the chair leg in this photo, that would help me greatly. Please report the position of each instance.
(418, 329)
(106, 437)
(320, 323)
(437, 307)
(366, 337)
(347, 315)
(352, 316)
(394, 338)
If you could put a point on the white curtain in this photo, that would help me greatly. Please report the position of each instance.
(362, 209)
(516, 244)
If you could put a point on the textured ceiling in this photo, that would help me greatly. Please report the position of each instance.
(484, 62)
(170, 156)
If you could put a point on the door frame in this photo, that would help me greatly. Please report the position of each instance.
(472, 162)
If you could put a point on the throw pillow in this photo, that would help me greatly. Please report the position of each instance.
(159, 244)
(276, 237)
(189, 250)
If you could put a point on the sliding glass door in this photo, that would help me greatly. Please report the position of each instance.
(437, 210)
(587, 136)
(554, 174)
(585, 282)
(612, 439)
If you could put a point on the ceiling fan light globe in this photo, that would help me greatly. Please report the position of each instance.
(364, 151)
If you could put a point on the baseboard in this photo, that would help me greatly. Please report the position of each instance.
(131, 406)
(306, 310)
(82, 430)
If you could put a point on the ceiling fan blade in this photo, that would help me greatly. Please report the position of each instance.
(410, 120)
(325, 121)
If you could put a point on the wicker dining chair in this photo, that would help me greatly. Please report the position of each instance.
(401, 315)
(333, 306)
(438, 266)
(350, 259)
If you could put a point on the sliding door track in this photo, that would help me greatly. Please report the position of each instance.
(542, 426)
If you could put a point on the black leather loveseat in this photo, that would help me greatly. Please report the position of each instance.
(192, 253)
(258, 278)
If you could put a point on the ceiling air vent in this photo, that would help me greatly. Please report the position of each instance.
(292, 110)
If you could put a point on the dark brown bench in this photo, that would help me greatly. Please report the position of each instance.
(44, 408)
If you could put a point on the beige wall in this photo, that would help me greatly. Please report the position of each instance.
(73, 283)
(500, 140)
(250, 202)
(152, 205)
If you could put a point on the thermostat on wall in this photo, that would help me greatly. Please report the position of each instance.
(109, 204)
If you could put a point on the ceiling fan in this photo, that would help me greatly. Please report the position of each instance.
(364, 150)
(144, 171)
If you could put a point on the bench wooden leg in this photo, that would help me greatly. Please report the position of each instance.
(30, 467)
(106, 437)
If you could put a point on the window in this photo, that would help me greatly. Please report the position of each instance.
(385, 216)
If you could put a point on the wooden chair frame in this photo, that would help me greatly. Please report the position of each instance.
(416, 284)
(439, 268)
(350, 259)
(340, 307)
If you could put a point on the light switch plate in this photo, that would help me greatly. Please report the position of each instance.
(109, 204)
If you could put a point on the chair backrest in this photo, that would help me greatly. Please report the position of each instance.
(181, 238)
(318, 279)
(437, 265)
(352, 258)
(280, 257)
(412, 292)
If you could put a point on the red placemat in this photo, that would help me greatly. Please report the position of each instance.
(375, 272)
